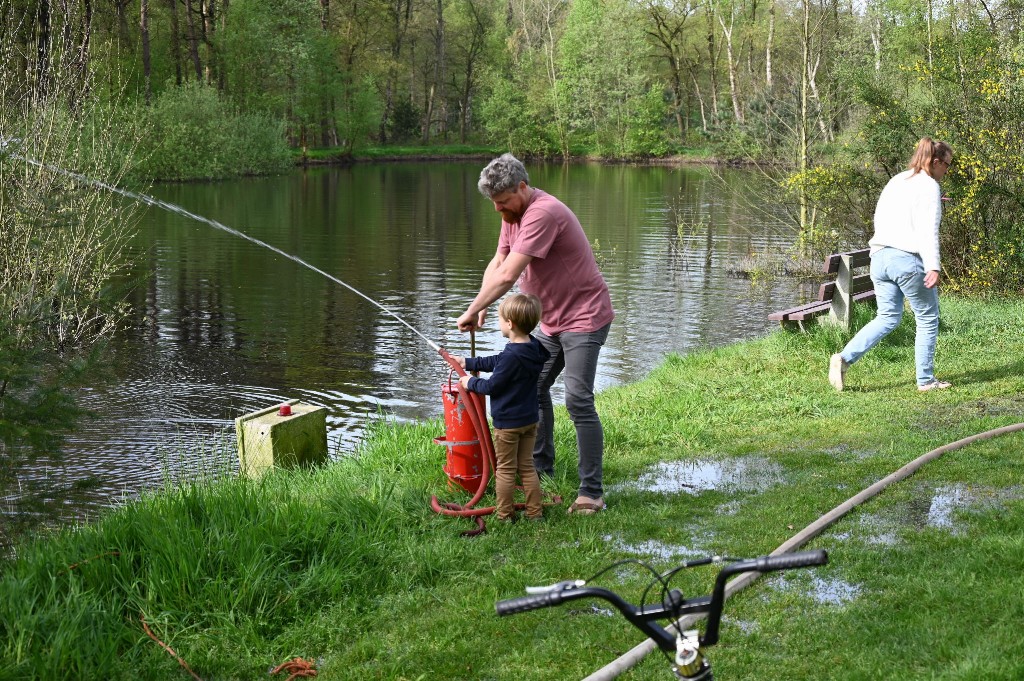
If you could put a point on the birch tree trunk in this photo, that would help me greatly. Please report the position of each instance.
(734, 86)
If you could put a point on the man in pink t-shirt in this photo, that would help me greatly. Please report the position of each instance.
(543, 247)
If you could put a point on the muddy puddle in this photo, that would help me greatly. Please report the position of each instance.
(751, 474)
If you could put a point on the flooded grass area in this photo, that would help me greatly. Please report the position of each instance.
(661, 551)
(926, 507)
(831, 590)
(749, 474)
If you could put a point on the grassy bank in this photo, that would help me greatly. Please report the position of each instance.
(337, 155)
(728, 451)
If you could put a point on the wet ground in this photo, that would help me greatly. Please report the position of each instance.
(883, 525)
(693, 476)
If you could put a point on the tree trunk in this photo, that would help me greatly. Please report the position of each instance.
(700, 99)
(677, 98)
(221, 70)
(43, 37)
(734, 86)
(328, 128)
(712, 61)
(802, 162)
(123, 34)
(812, 82)
(193, 41)
(769, 45)
(876, 41)
(436, 90)
(442, 71)
(144, 34)
(81, 62)
(399, 11)
(428, 111)
(208, 11)
(175, 41)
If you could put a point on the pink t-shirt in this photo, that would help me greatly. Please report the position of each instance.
(563, 272)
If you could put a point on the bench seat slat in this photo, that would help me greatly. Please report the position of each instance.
(813, 309)
(799, 312)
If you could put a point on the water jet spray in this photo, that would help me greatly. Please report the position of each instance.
(472, 404)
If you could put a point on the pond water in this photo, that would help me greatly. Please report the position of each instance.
(221, 327)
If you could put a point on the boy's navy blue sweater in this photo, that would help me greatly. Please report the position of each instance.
(513, 382)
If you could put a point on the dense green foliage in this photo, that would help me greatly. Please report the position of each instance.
(62, 244)
(192, 134)
(836, 93)
(348, 566)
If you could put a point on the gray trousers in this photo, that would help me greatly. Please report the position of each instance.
(576, 354)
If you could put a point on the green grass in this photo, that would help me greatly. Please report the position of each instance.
(411, 152)
(347, 565)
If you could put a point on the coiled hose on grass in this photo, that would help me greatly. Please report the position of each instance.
(632, 657)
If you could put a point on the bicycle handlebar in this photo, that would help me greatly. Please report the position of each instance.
(762, 564)
(525, 603)
(676, 606)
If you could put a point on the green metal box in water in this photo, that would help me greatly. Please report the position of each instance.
(267, 438)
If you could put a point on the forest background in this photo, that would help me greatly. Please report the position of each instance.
(827, 98)
(832, 95)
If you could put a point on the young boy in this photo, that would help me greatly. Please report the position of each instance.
(514, 409)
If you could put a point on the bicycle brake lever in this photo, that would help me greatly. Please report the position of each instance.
(560, 586)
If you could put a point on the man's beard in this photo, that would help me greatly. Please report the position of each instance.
(510, 217)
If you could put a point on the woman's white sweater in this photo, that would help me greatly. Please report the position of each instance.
(907, 217)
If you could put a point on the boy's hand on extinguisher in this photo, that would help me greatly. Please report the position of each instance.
(460, 359)
(464, 381)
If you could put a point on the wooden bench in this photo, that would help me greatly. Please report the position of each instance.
(835, 297)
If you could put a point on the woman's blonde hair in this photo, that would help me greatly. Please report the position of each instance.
(523, 310)
(928, 151)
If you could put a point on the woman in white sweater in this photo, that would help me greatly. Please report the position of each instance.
(905, 263)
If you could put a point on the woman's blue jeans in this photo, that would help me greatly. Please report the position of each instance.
(899, 275)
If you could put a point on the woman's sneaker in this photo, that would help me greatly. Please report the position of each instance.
(934, 385)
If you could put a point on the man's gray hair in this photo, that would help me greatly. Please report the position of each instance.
(501, 175)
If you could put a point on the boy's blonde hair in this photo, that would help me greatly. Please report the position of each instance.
(523, 310)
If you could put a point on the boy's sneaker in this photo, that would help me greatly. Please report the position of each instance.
(837, 367)
(934, 385)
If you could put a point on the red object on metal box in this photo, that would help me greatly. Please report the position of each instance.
(465, 454)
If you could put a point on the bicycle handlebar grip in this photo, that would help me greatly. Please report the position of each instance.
(788, 561)
(532, 602)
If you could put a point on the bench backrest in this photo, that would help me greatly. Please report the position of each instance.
(859, 284)
(857, 259)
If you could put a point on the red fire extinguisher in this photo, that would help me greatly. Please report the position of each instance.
(470, 449)
(464, 464)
